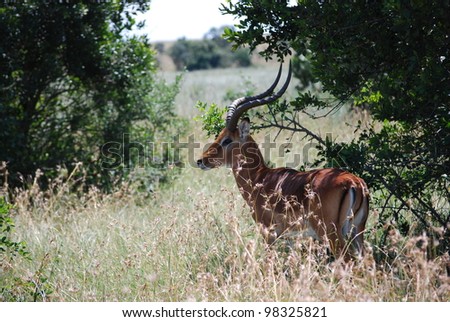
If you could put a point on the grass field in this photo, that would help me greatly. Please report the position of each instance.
(195, 240)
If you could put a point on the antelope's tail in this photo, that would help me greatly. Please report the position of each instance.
(354, 212)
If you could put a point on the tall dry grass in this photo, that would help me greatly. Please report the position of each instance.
(195, 241)
(199, 243)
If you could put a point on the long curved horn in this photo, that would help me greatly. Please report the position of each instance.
(239, 106)
(232, 107)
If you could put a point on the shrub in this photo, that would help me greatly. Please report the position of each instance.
(210, 52)
(8, 247)
(12, 286)
(77, 85)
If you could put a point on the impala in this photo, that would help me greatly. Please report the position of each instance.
(328, 204)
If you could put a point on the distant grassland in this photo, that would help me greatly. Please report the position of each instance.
(194, 240)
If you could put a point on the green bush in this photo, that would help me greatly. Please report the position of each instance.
(72, 84)
(210, 52)
(14, 287)
(8, 247)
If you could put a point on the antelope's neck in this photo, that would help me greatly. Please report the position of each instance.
(249, 169)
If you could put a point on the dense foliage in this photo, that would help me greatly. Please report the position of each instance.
(71, 83)
(390, 56)
(210, 52)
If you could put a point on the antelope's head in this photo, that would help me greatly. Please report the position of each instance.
(234, 137)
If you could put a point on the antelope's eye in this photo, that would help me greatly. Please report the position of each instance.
(226, 141)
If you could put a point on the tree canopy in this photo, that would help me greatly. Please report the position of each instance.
(71, 82)
(211, 52)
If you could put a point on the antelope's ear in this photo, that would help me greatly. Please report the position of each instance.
(244, 129)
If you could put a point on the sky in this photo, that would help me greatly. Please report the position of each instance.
(172, 19)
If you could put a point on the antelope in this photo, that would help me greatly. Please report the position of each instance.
(330, 205)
